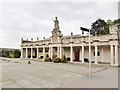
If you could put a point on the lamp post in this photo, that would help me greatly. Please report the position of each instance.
(90, 72)
(90, 66)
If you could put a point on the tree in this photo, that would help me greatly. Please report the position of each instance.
(99, 27)
(16, 53)
(117, 21)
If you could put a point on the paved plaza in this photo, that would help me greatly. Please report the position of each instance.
(17, 73)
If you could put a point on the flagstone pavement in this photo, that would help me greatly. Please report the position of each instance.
(17, 73)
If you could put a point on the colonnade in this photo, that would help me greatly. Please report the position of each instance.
(113, 53)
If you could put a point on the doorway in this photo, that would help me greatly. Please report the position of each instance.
(77, 55)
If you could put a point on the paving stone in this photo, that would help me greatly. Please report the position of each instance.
(14, 85)
(56, 75)
(24, 83)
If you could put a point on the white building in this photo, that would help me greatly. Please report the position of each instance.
(104, 48)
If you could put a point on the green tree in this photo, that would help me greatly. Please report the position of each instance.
(100, 27)
(117, 21)
(16, 53)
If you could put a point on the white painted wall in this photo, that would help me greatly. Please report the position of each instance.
(29, 52)
(67, 51)
(86, 53)
(106, 53)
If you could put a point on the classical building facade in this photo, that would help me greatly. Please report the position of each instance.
(104, 48)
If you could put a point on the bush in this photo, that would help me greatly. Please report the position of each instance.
(68, 58)
(86, 60)
(11, 55)
(64, 59)
(47, 58)
(56, 60)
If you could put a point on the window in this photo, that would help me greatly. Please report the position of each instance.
(94, 53)
(98, 53)
(40, 50)
(46, 50)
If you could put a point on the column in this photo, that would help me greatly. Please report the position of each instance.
(116, 55)
(37, 53)
(71, 53)
(49, 51)
(96, 51)
(43, 52)
(26, 52)
(21, 53)
(31, 53)
(111, 54)
(82, 54)
(63, 50)
(102, 53)
(60, 52)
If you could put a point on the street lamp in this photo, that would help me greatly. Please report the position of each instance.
(90, 71)
(88, 30)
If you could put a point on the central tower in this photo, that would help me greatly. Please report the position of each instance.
(56, 33)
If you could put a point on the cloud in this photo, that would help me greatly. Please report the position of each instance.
(35, 19)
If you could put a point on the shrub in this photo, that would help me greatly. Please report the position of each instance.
(11, 55)
(56, 60)
(54, 56)
(68, 58)
(47, 58)
(64, 59)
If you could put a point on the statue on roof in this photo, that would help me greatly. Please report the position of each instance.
(56, 24)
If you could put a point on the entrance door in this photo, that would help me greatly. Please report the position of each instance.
(77, 55)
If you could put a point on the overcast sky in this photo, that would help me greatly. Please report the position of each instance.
(35, 19)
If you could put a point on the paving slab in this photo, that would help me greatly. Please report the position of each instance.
(16, 73)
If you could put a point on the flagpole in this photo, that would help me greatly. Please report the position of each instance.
(90, 73)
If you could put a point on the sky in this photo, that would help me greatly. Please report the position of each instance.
(32, 19)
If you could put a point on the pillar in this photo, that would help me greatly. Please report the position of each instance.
(82, 54)
(102, 53)
(21, 53)
(26, 52)
(116, 55)
(31, 53)
(71, 53)
(111, 54)
(49, 51)
(96, 51)
(60, 52)
(43, 52)
(37, 53)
